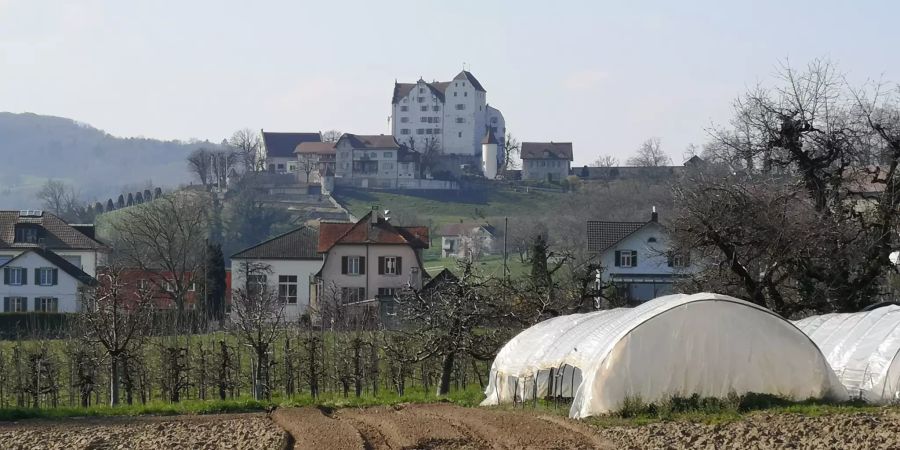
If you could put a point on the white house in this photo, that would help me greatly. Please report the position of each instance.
(29, 229)
(460, 240)
(454, 114)
(546, 161)
(278, 149)
(636, 257)
(374, 160)
(291, 260)
(39, 280)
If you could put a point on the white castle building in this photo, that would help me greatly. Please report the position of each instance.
(453, 115)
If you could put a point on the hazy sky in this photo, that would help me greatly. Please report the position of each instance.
(604, 75)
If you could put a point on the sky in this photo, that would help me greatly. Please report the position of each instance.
(605, 75)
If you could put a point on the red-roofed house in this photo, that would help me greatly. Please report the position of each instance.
(368, 259)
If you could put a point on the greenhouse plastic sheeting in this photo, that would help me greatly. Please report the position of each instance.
(862, 349)
(706, 344)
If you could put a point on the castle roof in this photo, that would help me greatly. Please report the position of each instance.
(437, 88)
(489, 137)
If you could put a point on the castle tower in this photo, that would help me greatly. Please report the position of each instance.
(489, 155)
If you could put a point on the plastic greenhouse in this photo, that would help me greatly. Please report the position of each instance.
(862, 349)
(706, 344)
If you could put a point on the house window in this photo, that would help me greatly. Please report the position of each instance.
(460, 120)
(15, 304)
(15, 276)
(46, 304)
(353, 265)
(420, 131)
(421, 90)
(454, 93)
(679, 260)
(460, 106)
(404, 119)
(420, 99)
(287, 288)
(404, 108)
(428, 131)
(493, 120)
(437, 119)
(465, 94)
(626, 258)
(423, 119)
(460, 134)
(423, 108)
(256, 284)
(26, 234)
(390, 265)
(193, 287)
(387, 292)
(388, 154)
(143, 285)
(46, 276)
(435, 108)
(404, 131)
(437, 131)
(353, 295)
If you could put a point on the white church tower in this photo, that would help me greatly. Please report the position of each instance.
(489, 154)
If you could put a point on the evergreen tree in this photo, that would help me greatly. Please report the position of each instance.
(120, 203)
(540, 273)
(215, 282)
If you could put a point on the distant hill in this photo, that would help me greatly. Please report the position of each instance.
(34, 148)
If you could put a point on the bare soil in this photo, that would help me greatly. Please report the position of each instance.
(212, 432)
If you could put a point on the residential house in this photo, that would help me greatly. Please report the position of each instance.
(278, 149)
(462, 240)
(290, 262)
(546, 161)
(452, 115)
(159, 285)
(314, 159)
(28, 229)
(636, 258)
(374, 160)
(368, 259)
(39, 280)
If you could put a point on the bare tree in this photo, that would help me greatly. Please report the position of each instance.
(166, 240)
(605, 161)
(511, 149)
(798, 212)
(257, 315)
(331, 135)
(308, 164)
(200, 164)
(650, 154)
(116, 316)
(60, 198)
(248, 145)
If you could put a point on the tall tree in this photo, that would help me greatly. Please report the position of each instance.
(200, 164)
(248, 145)
(798, 210)
(650, 154)
(605, 161)
(511, 151)
(215, 282)
(331, 135)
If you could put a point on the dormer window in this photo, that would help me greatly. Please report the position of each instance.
(27, 234)
(651, 240)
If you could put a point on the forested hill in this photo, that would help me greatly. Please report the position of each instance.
(34, 148)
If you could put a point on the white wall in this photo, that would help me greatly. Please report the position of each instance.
(302, 269)
(651, 256)
(90, 259)
(414, 115)
(66, 289)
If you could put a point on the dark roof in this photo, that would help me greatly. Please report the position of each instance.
(284, 144)
(438, 88)
(457, 229)
(603, 235)
(297, 244)
(365, 232)
(466, 75)
(442, 277)
(58, 235)
(489, 137)
(318, 148)
(60, 263)
(547, 150)
(370, 141)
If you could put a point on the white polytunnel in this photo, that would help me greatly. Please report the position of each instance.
(677, 345)
(862, 349)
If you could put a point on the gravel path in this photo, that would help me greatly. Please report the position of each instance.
(213, 432)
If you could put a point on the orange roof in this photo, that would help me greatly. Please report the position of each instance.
(364, 232)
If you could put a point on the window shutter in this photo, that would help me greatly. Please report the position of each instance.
(343, 265)
(362, 265)
(634, 262)
(399, 265)
(37, 276)
(670, 259)
(618, 257)
(5, 304)
(381, 265)
(24, 277)
(6, 277)
(55, 275)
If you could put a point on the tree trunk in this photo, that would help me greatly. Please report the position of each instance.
(114, 380)
(446, 372)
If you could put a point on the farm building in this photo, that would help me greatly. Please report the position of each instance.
(862, 349)
(677, 345)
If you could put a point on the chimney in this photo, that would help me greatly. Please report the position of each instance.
(373, 218)
(654, 217)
